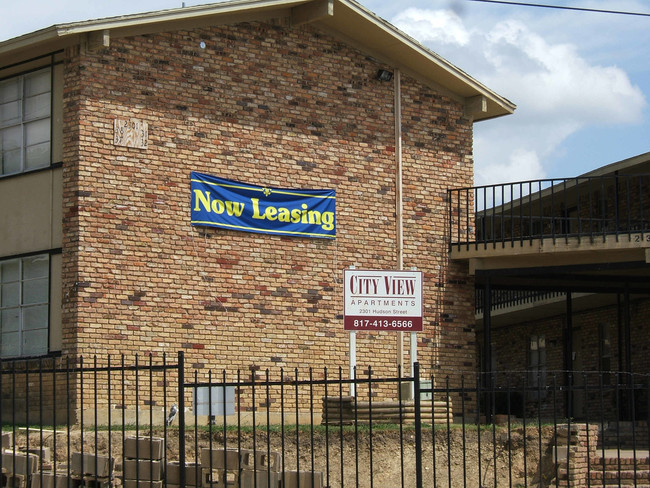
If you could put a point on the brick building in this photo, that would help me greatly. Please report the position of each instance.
(103, 121)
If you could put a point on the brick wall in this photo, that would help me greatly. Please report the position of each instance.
(512, 345)
(264, 104)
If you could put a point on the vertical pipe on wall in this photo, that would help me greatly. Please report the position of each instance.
(398, 195)
(398, 161)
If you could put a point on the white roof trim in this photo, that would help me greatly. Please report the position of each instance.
(427, 64)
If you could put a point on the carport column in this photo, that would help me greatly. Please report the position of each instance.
(628, 336)
(568, 355)
(628, 356)
(487, 347)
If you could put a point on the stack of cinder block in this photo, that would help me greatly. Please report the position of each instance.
(90, 470)
(239, 468)
(49, 479)
(244, 468)
(17, 467)
(142, 466)
(45, 477)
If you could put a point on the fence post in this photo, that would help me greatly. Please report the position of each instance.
(181, 418)
(418, 425)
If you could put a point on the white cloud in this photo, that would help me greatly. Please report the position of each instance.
(554, 82)
(557, 91)
(521, 165)
(432, 26)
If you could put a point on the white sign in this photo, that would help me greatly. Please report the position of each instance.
(219, 406)
(382, 300)
(131, 133)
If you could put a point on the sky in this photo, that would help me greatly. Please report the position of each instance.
(580, 80)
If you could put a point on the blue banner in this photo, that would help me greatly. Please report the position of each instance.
(217, 202)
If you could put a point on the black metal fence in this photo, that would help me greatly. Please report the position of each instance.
(146, 423)
(588, 208)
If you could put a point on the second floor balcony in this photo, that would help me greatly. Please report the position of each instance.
(604, 212)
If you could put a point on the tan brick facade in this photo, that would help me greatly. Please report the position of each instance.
(266, 104)
(591, 329)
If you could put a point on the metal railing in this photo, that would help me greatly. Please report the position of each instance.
(95, 425)
(506, 299)
(557, 209)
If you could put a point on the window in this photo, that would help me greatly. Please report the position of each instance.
(25, 113)
(604, 353)
(537, 366)
(24, 306)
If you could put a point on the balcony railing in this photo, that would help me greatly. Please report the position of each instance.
(591, 208)
(507, 299)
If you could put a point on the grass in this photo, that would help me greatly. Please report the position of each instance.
(276, 428)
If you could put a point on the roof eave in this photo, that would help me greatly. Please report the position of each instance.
(496, 106)
(349, 18)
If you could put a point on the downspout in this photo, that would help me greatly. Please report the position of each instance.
(398, 196)
(399, 216)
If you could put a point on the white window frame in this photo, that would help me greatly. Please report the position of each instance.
(23, 298)
(22, 123)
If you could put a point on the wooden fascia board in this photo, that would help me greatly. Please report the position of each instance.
(343, 16)
(312, 12)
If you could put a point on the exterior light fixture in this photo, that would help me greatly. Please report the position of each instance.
(384, 75)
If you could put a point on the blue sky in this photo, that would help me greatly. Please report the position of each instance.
(581, 80)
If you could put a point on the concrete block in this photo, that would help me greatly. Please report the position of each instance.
(268, 461)
(89, 464)
(43, 452)
(13, 480)
(19, 462)
(142, 469)
(192, 474)
(228, 459)
(293, 479)
(144, 447)
(220, 478)
(96, 482)
(260, 479)
(51, 480)
(7, 439)
(248, 478)
(143, 484)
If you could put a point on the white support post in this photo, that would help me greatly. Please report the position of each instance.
(353, 355)
(353, 360)
(414, 359)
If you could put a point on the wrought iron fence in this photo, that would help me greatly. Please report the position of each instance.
(102, 423)
(512, 214)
